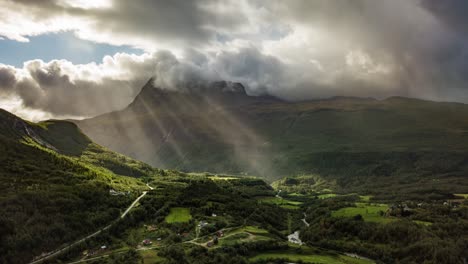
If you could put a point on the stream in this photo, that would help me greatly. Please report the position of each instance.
(294, 237)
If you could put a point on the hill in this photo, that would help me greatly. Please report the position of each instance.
(229, 131)
(56, 188)
(55, 184)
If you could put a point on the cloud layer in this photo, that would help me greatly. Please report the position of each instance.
(292, 49)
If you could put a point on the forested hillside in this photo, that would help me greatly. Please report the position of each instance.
(54, 186)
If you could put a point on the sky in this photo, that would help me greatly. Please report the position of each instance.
(80, 58)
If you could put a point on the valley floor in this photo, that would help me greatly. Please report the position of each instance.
(178, 223)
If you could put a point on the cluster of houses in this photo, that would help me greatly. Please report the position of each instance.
(404, 209)
(399, 210)
(215, 238)
(454, 202)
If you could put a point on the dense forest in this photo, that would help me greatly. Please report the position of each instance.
(50, 197)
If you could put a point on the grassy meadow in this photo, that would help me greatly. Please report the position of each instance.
(179, 215)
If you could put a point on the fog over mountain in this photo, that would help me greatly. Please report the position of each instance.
(290, 49)
(234, 131)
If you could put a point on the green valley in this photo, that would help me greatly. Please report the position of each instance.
(358, 190)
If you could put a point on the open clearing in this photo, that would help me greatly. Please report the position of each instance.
(327, 195)
(150, 256)
(243, 235)
(284, 203)
(222, 178)
(464, 195)
(369, 212)
(179, 215)
(309, 256)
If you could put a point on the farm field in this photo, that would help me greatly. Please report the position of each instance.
(464, 195)
(327, 195)
(369, 212)
(308, 255)
(243, 235)
(284, 203)
(150, 256)
(179, 215)
(222, 178)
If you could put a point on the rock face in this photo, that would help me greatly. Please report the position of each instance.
(227, 87)
(222, 93)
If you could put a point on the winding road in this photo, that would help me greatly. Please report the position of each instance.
(63, 249)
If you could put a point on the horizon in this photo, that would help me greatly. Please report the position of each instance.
(233, 131)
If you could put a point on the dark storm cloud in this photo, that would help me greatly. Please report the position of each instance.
(428, 59)
(295, 49)
(452, 12)
(185, 22)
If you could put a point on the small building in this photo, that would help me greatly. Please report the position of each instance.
(146, 242)
(114, 192)
(202, 224)
(150, 228)
(209, 244)
(220, 233)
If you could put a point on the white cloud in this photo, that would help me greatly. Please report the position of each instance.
(295, 49)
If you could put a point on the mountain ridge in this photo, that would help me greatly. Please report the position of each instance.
(270, 137)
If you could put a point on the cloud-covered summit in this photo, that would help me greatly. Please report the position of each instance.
(295, 49)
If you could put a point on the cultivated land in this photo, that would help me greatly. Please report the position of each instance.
(346, 206)
(369, 212)
(284, 203)
(308, 255)
(179, 215)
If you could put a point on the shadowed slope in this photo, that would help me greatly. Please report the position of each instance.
(232, 132)
(54, 186)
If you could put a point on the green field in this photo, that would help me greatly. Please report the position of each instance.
(464, 195)
(243, 235)
(254, 230)
(284, 203)
(365, 198)
(425, 223)
(222, 178)
(369, 212)
(179, 215)
(327, 195)
(308, 256)
(150, 256)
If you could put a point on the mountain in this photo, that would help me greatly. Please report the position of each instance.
(193, 131)
(225, 130)
(54, 186)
